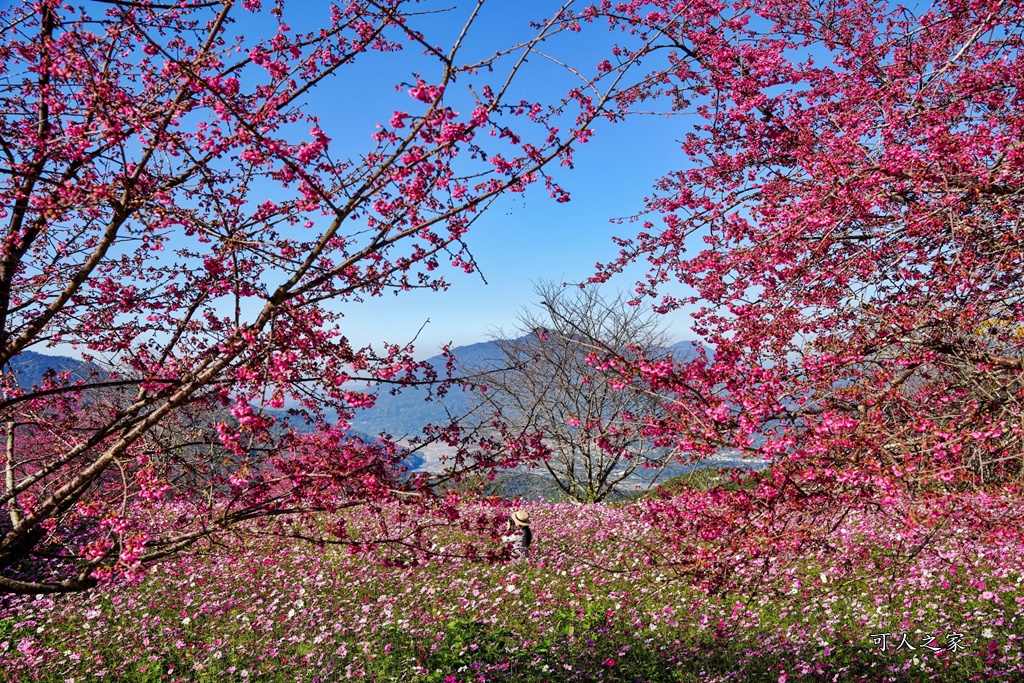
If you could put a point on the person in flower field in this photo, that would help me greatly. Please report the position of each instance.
(518, 533)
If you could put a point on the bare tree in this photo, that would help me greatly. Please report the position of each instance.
(545, 382)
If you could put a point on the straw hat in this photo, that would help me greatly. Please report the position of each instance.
(521, 518)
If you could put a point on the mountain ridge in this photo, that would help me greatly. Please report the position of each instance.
(403, 414)
(31, 367)
(408, 411)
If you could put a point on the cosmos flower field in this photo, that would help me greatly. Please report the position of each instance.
(593, 603)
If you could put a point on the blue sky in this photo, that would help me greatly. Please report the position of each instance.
(525, 239)
(522, 239)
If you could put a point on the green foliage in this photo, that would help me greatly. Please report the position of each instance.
(705, 479)
(464, 647)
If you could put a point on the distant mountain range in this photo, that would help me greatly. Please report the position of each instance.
(402, 415)
(406, 413)
(31, 367)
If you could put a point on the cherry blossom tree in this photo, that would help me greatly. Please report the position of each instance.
(175, 210)
(845, 229)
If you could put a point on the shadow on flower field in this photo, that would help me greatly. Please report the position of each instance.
(593, 604)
